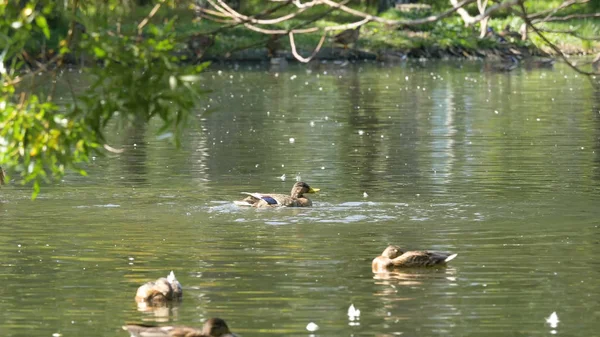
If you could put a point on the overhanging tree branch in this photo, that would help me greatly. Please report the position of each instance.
(550, 44)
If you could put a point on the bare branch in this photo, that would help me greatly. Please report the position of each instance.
(569, 17)
(469, 20)
(550, 44)
(112, 149)
(236, 15)
(298, 56)
(414, 22)
(240, 22)
(147, 18)
(552, 11)
(214, 13)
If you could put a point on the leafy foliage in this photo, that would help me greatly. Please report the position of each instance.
(134, 78)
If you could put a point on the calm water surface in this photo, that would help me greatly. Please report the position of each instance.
(502, 168)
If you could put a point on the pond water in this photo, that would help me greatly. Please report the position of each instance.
(503, 169)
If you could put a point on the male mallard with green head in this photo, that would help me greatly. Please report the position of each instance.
(392, 257)
(295, 199)
(214, 327)
(159, 291)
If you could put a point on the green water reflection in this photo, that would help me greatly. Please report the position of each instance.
(501, 168)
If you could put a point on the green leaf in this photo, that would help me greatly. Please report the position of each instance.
(100, 53)
(36, 190)
(41, 22)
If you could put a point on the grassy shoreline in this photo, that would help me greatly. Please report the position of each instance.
(447, 38)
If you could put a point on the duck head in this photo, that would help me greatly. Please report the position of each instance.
(300, 188)
(216, 327)
(392, 252)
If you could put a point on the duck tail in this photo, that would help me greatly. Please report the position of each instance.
(450, 258)
(171, 278)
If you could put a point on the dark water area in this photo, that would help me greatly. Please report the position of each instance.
(503, 169)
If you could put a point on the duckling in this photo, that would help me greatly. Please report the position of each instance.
(392, 257)
(160, 291)
(295, 199)
(213, 327)
(349, 36)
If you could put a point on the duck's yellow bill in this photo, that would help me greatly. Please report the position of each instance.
(314, 190)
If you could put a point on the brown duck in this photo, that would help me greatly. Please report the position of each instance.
(392, 257)
(199, 44)
(349, 36)
(159, 291)
(506, 32)
(214, 327)
(295, 199)
(273, 45)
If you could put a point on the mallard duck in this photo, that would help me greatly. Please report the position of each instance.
(491, 34)
(347, 37)
(160, 291)
(506, 64)
(506, 32)
(214, 327)
(200, 43)
(273, 45)
(392, 257)
(295, 199)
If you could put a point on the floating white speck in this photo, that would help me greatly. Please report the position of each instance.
(365, 194)
(361, 132)
(496, 112)
(553, 320)
(298, 177)
(312, 123)
(292, 140)
(353, 313)
(312, 327)
(56, 334)
(282, 177)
